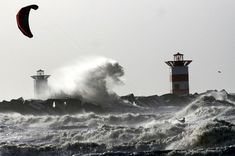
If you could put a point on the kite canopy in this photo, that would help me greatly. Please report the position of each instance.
(22, 19)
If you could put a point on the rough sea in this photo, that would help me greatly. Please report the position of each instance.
(138, 126)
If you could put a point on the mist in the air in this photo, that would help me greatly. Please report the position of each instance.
(91, 79)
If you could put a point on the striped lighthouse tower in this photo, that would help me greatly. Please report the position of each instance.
(179, 74)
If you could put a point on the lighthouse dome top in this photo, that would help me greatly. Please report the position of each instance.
(178, 54)
(40, 70)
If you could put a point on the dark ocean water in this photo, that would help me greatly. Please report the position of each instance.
(133, 126)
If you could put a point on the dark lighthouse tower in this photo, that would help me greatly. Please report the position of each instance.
(179, 74)
(40, 84)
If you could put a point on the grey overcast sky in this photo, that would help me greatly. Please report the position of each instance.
(139, 34)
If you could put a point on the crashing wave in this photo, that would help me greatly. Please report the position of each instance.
(130, 126)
